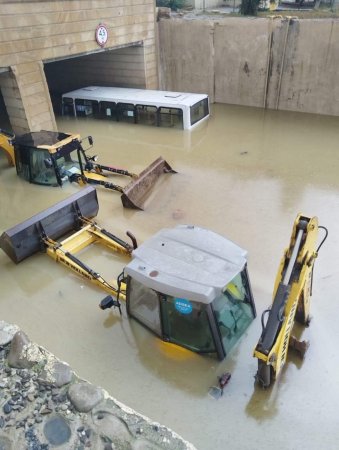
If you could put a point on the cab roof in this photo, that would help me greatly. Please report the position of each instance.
(187, 262)
(38, 138)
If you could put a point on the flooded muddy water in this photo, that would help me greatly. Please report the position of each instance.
(245, 174)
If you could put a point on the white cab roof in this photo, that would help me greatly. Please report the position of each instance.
(136, 96)
(187, 262)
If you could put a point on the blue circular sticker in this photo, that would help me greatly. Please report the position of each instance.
(183, 306)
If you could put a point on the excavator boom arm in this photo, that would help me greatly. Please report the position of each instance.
(292, 293)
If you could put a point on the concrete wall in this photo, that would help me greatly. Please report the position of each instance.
(186, 55)
(275, 63)
(35, 32)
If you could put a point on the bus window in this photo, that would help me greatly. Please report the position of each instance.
(108, 110)
(146, 114)
(67, 106)
(125, 112)
(85, 108)
(171, 117)
(199, 111)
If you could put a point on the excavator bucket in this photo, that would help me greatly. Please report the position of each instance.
(135, 193)
(25, 239)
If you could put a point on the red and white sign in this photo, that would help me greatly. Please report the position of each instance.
(101, 35)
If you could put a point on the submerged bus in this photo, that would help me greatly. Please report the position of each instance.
(158, 108)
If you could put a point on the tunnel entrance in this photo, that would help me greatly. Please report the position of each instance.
(121, 67)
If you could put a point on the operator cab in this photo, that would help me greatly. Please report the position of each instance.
(47, 157)
(190, 287)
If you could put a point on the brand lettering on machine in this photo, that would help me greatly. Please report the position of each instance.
(76, 269)
(287, 333)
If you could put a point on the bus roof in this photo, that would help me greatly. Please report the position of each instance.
(135, 96)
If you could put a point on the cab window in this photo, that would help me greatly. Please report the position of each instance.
(233, 311)
(186, 323)
(143, 304)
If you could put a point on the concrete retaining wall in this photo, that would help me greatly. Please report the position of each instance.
(286, 64)
(186, 55)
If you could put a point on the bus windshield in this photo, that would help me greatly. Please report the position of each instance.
(199, 111)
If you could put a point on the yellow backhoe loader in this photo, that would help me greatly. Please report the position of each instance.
(291, 301)
(52, 158)
(188, 285)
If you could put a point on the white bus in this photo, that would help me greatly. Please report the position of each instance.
(159, 108)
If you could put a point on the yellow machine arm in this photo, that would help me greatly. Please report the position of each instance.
(6, 144)
(291, 300)
(64, 252)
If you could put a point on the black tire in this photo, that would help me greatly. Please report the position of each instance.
(263, 375)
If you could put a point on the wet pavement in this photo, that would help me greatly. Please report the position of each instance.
(245, 174)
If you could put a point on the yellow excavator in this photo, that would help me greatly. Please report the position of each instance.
(52, 158)
(291, 301)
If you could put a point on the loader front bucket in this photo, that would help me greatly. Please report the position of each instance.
(25, 239)
(136, 191)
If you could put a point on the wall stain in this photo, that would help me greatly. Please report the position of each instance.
(246, 69)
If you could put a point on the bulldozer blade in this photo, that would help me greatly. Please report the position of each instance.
(25, 239)
(136, 191)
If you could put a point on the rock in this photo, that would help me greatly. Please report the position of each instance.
(44, 410)
(57, 431)
(19, 355)
(7, 331)
(7, 408)
(85, 396)
(57, 373)
(114, 429)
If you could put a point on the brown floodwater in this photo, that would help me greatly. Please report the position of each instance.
(245, 174)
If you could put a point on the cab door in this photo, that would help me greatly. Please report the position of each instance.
(234, 310)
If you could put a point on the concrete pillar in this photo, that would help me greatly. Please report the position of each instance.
(13, 102)
(33, 97)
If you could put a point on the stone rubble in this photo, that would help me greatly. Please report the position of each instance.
(45, 405)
